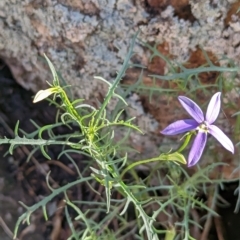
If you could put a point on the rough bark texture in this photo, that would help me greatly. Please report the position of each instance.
(85, 38)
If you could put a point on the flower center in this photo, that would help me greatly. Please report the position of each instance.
(203, 127)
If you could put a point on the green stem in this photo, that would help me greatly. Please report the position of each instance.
(140, 163)
(194, 71)
(162, 157)
(117, 80)
(148, 227)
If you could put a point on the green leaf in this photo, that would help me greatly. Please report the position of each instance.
(54, 73)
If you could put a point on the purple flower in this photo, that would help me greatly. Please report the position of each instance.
(203, 126)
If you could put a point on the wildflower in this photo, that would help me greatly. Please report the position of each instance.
(203, 126)
(42, 94)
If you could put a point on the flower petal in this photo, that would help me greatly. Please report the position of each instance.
(221, 137)
(180, 126)
(192, 108)
(213, 108)
(197, 148)
(42, 94)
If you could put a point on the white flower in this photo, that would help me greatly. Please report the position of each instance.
(42, 94)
